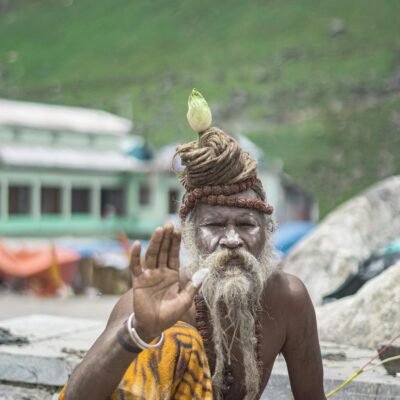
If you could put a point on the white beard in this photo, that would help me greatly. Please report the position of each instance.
(232, 291)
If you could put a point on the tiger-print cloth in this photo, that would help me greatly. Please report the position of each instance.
(178, 370)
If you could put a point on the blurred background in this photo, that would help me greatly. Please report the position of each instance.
(93, 100)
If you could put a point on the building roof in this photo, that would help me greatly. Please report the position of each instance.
(66, 158)
(54, 117)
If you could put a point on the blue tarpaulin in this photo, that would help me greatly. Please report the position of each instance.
(289, 233)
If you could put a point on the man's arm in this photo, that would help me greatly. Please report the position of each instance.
(104, 365)
(301, 349)
(157, 302)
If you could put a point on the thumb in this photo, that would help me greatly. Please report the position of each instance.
(193, 286)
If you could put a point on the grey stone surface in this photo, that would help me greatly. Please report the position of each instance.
(44, 327)
(14, 305)
(34, 369)
(372, 385)
(279, 389)
(7, 338)
(8, 392)
(50, 358)
(364, 391)
(54, 348)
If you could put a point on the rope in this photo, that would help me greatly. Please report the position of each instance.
(365, 369)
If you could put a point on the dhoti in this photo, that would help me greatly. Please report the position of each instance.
(178, 370)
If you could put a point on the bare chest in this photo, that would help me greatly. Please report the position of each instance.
(271, 340)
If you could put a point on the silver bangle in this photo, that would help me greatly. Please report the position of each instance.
(137, 339)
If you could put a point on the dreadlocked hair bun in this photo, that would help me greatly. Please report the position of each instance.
(217, 159)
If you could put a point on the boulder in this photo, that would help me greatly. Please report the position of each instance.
(347, 236)
(369, 318)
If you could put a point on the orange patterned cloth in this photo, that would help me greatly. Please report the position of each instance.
(178, 370)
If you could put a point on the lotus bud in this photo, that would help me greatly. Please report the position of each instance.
(199, 114)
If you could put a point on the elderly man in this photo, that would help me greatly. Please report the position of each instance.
(213, 329)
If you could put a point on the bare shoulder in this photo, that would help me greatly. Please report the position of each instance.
(286, 284)
(287, 291)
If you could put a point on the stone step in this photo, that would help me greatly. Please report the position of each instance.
(56, 346)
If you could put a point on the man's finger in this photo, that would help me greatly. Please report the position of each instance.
(134, 264)
(153, 250)
(165, 246)
(173, 258)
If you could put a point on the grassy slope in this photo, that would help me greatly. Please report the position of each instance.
(326, 105)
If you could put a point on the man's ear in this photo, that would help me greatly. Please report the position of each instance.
(271, 224)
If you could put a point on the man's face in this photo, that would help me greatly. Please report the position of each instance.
(229, 228)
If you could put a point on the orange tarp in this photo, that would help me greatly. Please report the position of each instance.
(26, 263)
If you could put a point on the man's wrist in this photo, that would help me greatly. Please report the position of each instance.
(147, 337)
(125, 341)
(143, 332)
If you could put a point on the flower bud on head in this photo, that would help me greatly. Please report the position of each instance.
(199, 114)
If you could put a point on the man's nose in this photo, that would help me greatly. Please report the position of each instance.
(231, 239)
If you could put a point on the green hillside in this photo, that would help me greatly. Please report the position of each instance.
(314, 82)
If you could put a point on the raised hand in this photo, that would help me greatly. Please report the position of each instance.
(158, 301)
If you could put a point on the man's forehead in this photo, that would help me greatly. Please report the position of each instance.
(207, 211)
(215, 211)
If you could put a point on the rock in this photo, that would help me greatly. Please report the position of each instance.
(336, 27)
(385, 352)
(6, 337)
(347, 236)
(8, 392)
(56, 345)
(369, 318)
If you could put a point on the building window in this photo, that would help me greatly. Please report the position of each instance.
(112, 202)
(19, 200)
(50, 200)
(80, 201)
(173, 201)
(144, 194)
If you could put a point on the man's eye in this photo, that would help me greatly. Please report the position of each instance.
(247, 224)
(214, 224)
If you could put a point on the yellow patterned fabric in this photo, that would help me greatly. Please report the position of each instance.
(178, 370)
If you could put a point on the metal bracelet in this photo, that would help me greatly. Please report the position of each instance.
(137, 339)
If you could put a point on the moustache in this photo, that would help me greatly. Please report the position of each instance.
(233, 257)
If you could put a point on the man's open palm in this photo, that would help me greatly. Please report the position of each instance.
(157, 300)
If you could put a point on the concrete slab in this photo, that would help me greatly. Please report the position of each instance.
(54, 348)
(14, 305)
(57, 343)
(23, 393)
(44, 327)
(340, 362)
(279, 389)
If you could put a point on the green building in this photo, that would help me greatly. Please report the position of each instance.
(68, 171)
